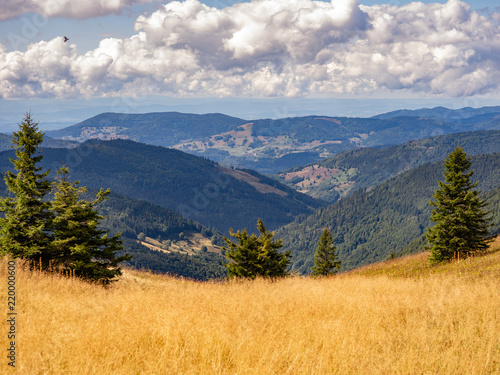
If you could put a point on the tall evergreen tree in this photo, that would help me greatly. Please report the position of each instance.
(325, 259)
(25, 229)
(81, 246)
(256, 256)
(461, 223)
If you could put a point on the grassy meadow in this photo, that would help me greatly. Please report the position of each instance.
(383, 319)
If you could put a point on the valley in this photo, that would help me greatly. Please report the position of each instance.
(195, 187)
(319, 181)
(391, 217)
(174, 205)
(190, 243)
(368, 167)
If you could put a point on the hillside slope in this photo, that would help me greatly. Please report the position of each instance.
(158, 128)
(275, 145)
(348, 324)
(418, 266)
(368, 225)
(195, 187)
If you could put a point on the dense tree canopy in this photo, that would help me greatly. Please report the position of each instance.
(325, 259)
(369, 224)
(62, 233)
(79, 243)
(256, 256)
(461, 223)
(25, 228)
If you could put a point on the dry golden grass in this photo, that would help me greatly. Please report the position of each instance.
(350, 324)
(486, 265)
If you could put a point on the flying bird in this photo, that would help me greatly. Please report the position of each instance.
(66, 39)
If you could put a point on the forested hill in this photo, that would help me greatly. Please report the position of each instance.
(172, 244)
(195, 187)
(368, 225)
(134, 216)
(344, 173)
(158, 128)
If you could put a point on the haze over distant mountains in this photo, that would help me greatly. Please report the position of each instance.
(269, 146)
(467, 114)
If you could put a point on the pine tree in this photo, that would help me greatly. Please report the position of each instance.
(461, 223)
(325, 259)
(81, 245)
(256, 256)
(25, 229)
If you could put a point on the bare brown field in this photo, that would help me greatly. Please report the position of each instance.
(443, 323)
(312, 171)
(315, 175)
(252, 180)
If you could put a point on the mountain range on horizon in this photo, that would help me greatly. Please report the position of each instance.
(275, 145)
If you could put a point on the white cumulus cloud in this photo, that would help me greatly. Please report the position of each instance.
(65, 8)
(272, 48)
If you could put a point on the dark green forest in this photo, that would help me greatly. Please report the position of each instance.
(133, 216)
(195, 187)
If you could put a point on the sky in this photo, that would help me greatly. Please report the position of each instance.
(250, 59)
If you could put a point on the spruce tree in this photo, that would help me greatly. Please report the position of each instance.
(256, 256)
(461, 223)
(25, 229)
(325, 259)
(81, 246)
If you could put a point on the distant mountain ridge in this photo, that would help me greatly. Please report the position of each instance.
(443, 113)
(271, 145)
(157, 128)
